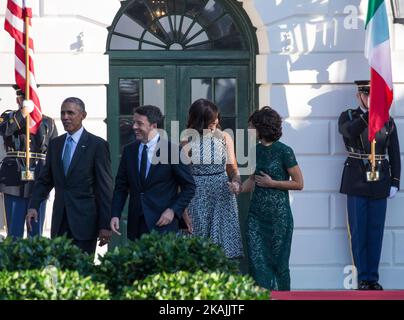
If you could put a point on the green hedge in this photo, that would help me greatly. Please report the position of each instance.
(155, 253)
(49, 284)
(39, 252)
(201, 286)
(156, 266)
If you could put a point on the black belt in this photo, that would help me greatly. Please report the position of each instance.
(364, 156)
(22, 154)
(208, 174)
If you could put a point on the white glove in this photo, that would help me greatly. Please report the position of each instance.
(393, 191)
(28, 106)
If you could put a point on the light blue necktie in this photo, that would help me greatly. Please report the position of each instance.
(67, 154)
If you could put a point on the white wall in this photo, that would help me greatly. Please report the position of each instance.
(310, 61)
(306, 67)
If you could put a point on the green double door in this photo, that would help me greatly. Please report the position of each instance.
(173, 88)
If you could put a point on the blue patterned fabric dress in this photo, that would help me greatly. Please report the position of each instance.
(213, 210)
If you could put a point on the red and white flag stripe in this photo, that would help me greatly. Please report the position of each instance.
(14, 24)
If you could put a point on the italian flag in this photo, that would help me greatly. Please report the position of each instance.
(377, 51)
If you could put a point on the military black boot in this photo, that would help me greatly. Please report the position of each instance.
(363, 285)
(374, 285)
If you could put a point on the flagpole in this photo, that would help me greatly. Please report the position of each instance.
(28, 173)
(373, 158)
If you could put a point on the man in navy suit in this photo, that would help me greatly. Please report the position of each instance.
(159, 190)
(78, 166)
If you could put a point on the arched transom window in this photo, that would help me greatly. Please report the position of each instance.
(176, 25)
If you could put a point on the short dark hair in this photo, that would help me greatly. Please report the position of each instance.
(252, 116)
(268, 124)
(153, 114)
(77, 102)
(201, 114)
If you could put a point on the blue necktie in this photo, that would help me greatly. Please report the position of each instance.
(67, 154)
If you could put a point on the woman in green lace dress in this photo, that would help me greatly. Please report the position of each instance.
(270, 222)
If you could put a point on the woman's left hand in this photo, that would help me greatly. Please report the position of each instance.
(234, 187)
(187, 220)
(264, 181)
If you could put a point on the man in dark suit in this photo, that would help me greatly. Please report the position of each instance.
(78, 166)
(151, 172)
(367, 200)
(17, 192)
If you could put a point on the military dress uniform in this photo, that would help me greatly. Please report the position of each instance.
(16, 192)
(367, 200)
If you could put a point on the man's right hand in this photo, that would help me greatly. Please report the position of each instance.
(31, 214)
(115, 225)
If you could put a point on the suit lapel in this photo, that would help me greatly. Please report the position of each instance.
(136, 162)
(153, 167)
(81, 147)
(59, 151)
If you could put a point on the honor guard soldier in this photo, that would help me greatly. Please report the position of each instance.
(367, 197)
(16, 191)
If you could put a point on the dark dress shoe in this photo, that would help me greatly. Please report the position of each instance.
(375, 286)
(363, 285)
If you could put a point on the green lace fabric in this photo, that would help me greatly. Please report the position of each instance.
(269, 221)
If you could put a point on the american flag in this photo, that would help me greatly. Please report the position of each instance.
(17, 11)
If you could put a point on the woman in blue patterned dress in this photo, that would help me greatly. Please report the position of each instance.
(213, 210)
(269, 226)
